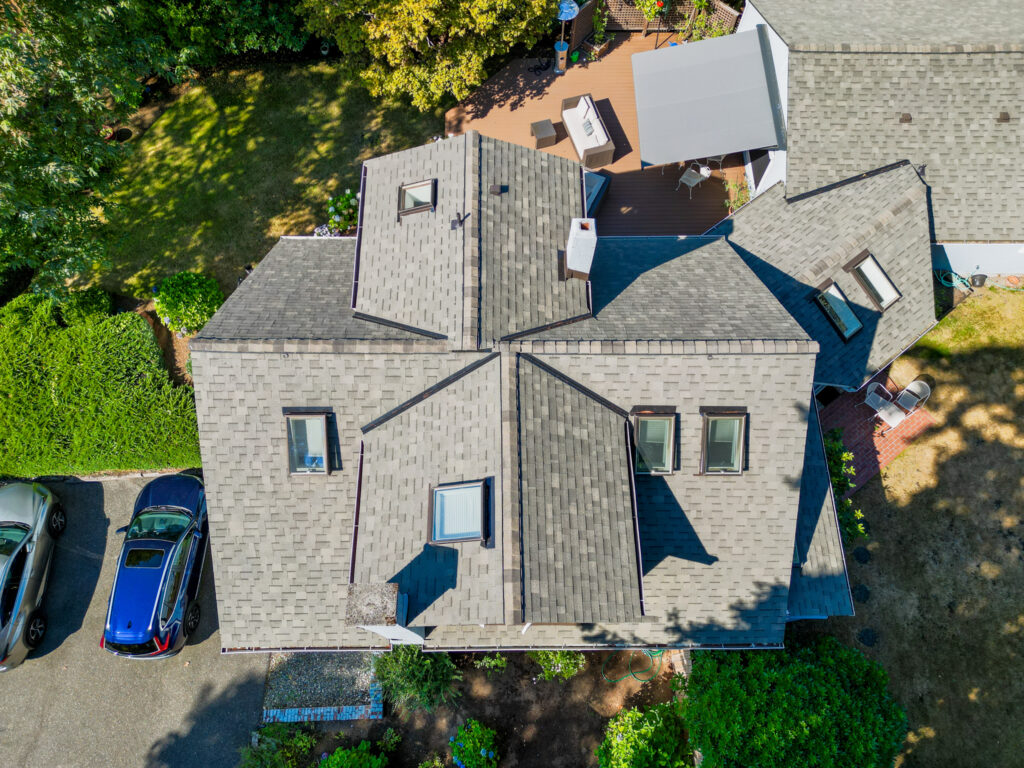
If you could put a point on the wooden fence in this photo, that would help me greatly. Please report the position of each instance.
(623, 15)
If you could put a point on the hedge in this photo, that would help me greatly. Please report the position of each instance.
(88, 397)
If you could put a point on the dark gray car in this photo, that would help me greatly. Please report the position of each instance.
(31, 519)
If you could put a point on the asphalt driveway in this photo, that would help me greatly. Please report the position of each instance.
(73, 704)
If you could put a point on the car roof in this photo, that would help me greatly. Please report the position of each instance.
(183, 491)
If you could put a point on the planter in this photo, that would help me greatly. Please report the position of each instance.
(597, 49)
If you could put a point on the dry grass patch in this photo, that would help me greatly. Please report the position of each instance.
(947, 527)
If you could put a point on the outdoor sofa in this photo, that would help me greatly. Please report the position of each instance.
(587, 131)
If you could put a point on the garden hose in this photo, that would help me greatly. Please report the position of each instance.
(635, 673)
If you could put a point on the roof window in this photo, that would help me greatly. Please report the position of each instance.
(833, 302)
(724, 440)
(874, 281)
(307, 443)
(457, 512)
(655, 439)
(421, 196)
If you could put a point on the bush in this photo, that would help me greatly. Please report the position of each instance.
(279, 746)
(187, 300)
(389, 741)
(559, 665)
(434, 761)
(343, 212)
(85, 307)
(411, 679)
(354, 757)
(841, 472)
(87, 398)
(473, 746)
(824, 705)
(648, 738)
(492, 662)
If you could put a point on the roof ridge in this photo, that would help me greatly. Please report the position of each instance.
(432, 390)
(574, 384)
(911, 48)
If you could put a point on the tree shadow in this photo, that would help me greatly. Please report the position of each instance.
(77, 560)
(216, 728)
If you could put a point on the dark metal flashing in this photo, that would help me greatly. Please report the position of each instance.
(399, 409)
(355, 521)
(399, 326)
(845, 182)
(636, 515)
(549, 326)
(575, 385)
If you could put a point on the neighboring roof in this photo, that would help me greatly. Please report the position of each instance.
(300, 291)
(845, 118)
(670, 288)
(820, 586)
(729, 102)
(448, 436)
(794, 246)
(873, 25)
(578, 529)
(493, 275)
(522, 231)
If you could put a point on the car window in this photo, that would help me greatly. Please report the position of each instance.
(11, 584)
(174, 577)
(166, 524)
(144, 558)
(10, 537)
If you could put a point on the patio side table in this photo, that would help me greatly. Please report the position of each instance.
(543, 132)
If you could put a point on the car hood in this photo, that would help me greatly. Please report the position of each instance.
(182, 491)
(20, 503)
(132, 615)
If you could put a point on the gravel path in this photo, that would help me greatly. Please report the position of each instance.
(318, 680)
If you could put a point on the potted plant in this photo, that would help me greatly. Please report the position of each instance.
(597, 42)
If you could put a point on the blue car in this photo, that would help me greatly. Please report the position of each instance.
(154, 604)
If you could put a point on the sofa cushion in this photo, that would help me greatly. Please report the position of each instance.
(574, 119)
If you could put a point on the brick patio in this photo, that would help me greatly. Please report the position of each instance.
(872, 451)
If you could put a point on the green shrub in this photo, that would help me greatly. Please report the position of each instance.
(559, 665)
(492, 662)
(389, 741)
(187, 300)
(411, 679)
(473, 746)
(343, 212)
(87, 398)
(85, 307)
(841, 472)
(434, 761)
(279, 745)
(354, 757)
(824, 705)
(645, 738)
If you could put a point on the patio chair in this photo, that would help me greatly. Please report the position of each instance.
(715, 159)
(879, 399)
(913, 396)
(693, 176)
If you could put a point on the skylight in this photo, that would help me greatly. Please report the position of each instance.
(421, 196)
(457, 512)
(838, 310)
(307, 443)
(724, 432)
(655, 441)
(876, 283)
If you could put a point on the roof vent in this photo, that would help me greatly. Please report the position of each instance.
(497, 189)
(1004, 117)
(906, 118)
(579, 250)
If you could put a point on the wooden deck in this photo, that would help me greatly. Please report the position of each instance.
(639, 202)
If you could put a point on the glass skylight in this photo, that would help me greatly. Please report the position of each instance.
(458, 513)
(876, 282)
(416, 197)
(839, 311)
(307, 444)
(654, 443)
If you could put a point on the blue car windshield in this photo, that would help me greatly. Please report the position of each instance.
(165, 524)
(10, 537)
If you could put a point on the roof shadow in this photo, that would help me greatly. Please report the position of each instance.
(665, 530)
(426, 577)
(615, 269)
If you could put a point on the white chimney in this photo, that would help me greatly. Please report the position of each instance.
(579, 250)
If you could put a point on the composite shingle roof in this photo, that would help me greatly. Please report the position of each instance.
(671, 288)
(578, 524)
(794, 246)
(881, 25)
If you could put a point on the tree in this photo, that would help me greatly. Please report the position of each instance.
(821, 706)
(68, 70)
(426, 49)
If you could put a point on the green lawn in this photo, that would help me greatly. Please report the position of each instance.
(242, 158)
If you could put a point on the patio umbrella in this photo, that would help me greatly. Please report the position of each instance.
(567, 11)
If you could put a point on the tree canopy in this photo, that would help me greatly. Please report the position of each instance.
(821, 706)
(424, 50)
